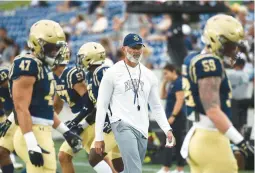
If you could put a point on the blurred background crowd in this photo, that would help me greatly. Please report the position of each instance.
(107, 21)
(168, 35)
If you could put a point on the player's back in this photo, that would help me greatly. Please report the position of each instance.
(41, 106)
(5, 97)
(198, 66)
(93, 80)
(65, 83)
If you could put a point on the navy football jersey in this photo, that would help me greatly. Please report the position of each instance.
(197, 66)
(65, 83)
(5, 98)
(3, 74)
(41, 107)
(93, 82)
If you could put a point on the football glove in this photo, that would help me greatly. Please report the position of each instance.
(90, 119)
(35, 155)
(78, 129)
(246, 148)
(4, 127)
(107, 127)
(73, 140)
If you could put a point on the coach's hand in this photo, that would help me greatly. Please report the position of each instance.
(73, 140)
(35, 155)
(171, 120)
(170, 139)
(100, 146)
(4, 127)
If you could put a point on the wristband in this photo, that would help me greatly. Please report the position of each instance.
(84, 124)
(11, 117)
(234, 135)
(30, 140)
(62, 128)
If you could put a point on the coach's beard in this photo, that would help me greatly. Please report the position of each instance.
(134, 58)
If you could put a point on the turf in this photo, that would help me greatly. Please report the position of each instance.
(82, 165)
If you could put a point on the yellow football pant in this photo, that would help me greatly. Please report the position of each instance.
(7, 140)
(210, 152)
(43, 136)
(87, 137)
(111, 147)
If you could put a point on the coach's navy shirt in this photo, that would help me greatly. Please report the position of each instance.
(174, 87)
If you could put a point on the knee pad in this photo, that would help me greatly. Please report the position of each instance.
(118, 164)
(95, 158)
(64, 157)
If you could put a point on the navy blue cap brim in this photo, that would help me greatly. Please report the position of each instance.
(134, 44)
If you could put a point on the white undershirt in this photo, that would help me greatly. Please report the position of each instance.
(116, 90)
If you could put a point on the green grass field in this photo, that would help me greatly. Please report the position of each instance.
(82, 165)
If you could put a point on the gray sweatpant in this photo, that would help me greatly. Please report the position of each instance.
(132, 145)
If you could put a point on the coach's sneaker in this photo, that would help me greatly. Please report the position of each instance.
(163, 171)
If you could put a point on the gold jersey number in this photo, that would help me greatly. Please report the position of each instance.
(189, 100)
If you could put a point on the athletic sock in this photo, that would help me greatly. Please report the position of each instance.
(8, 168)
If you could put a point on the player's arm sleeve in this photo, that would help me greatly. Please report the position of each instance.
(2, 115)
(103, 101)
(88, 107)
(25, 67)
(206, 67)
(157, 110)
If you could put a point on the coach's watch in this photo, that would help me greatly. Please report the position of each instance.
(174, 115)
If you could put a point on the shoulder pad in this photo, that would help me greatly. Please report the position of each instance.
(74, 76)
(26, 66)
(99, 73)
(205, 65)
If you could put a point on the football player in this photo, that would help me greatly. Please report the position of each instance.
(207, 96)
(5, 99)
(32, 87)
(71, 88)
(6, 143)
(91, 56)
